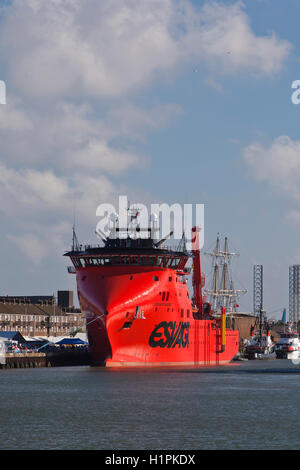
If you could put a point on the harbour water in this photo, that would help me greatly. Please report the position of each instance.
(250, 405)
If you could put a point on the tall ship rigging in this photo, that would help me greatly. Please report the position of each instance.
(222, 292)
(139, 312)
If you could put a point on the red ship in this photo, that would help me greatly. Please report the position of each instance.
(139, 312)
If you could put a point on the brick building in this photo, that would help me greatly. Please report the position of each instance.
(41, 315)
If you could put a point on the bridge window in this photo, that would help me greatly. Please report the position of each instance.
(175, 262)
(117, 260)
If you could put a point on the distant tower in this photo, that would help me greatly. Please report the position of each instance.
(283, 318)
(257, 288)
(294, 293)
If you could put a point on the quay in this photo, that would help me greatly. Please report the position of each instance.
(48, 359)
(24, 360)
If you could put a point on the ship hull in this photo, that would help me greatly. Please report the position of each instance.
(143, 317)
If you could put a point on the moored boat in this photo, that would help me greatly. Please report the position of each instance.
(139, 312)
(260, 347)
(288, 345)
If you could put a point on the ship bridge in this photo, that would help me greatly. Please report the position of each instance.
(101, 256)
(133, 245)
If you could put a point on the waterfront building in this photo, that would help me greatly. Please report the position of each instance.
(41, 315)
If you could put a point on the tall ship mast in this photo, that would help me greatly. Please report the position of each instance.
(133, 292)
(222, 292)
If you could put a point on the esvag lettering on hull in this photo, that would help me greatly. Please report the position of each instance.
(170, 335)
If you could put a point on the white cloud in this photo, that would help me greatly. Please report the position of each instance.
(87, 47)
(44, 241)
(97, 155)
(135, 122)
(84, 48)
(277, 164)
(14, 119)
(30, 190)
(30, 193)
(31, 246)
(227, 43)
(293, 216)
(69, 137)
(74, 67)
(214, 84)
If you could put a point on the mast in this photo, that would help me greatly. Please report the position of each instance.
(215, 281)
(75, 243)
(197, 272)
(222, 292)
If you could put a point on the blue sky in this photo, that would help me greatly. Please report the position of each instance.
(170, 101)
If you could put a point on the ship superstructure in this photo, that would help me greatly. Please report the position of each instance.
(139, 312)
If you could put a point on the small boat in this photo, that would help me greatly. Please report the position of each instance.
(288, 346)
(260, 346)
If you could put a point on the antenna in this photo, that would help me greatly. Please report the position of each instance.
(75, 243)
